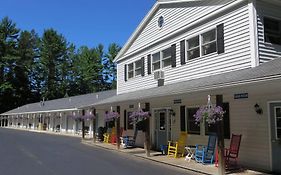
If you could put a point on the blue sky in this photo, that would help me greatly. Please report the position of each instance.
(82, 22)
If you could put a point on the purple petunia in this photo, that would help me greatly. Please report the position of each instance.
(211, 114)
(111, 116)
(138, 116)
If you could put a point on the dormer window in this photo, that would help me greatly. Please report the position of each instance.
(272, 31)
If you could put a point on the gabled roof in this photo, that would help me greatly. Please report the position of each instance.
(265, 72)
(146, 20)
(62, 104)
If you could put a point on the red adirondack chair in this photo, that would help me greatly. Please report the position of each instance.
(231, 153)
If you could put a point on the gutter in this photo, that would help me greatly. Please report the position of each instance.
(37, 112)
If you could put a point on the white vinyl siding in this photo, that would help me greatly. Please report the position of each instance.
(267, 50)
(237, 53)
(175, 16)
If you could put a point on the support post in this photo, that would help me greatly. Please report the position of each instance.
(147, 131)
(94, 125)
(118, 128)
(220, 131)
(83, 125)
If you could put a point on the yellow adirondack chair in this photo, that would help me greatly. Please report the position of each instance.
(107, 136)
(177, 148)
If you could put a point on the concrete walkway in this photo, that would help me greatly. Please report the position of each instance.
(176, 162)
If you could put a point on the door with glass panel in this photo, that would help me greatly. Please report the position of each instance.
(275, 125)
(162, 127)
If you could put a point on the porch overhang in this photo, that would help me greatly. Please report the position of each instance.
(270, 71)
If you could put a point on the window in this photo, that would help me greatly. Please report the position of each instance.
(192, 128)
(193, 49)
(156, 61)
(272, 31)
(130, 70)
(161, 59)
(166, 57)
(138, 67)
(135, 68)
(208, 44)
(278, 122)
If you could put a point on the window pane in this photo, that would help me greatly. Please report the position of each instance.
(194, 53)
(156, 57)
(209, 48)
(130, 74)
(193, 42)
(137, 72)
(156, 65)
(278, 122)
(278, 133)
(209, 36)
(166, 62)
(272, 31)
(191, 126)
(166, 53)
(162, 121)
(271, 24)
(130, 67)
(278, 112)
(138, 64)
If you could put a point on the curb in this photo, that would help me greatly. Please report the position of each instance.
(146, 158)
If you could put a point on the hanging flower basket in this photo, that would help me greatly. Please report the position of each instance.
(111, 116)
(88, 116)
(139, 116)
(209, 113)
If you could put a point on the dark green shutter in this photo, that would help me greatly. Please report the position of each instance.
(182, 118)
(148, 64)
(220, 38)
(226, 121)
(173, 55)
(142, 66)
(125, 72)
(125, 119)
(182, 52)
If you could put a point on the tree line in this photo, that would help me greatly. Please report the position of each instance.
(34, 67)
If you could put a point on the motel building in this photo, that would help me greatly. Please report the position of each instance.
(183, 51)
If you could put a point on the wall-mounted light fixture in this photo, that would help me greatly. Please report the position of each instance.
(258, 109)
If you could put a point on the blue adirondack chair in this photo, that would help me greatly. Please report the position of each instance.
(205, 154)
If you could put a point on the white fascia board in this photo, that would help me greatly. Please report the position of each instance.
(136, 32)
(38, 112)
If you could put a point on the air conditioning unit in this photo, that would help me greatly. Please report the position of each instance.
(158, 75)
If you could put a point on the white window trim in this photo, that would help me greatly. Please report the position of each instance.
(275, 118)
(135, 68)
(200, 43)
(131, 71)
(161, 59)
